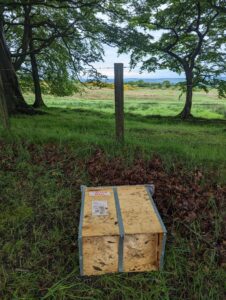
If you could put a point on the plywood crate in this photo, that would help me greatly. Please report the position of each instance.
(120, 230)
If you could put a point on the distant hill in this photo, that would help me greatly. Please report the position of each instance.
(154, 80)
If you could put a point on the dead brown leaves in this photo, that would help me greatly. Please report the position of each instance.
(182, 197)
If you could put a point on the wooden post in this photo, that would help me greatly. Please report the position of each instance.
(3, 107)
(119, 102)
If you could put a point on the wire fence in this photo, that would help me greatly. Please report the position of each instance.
(112, 68)
(99, 68)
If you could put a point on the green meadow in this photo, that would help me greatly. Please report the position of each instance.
(43, 163)
(87, 120)
(142, 101)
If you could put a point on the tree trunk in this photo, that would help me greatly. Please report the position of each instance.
(11, 89)
(38, 94)
(186, 112)
(3, 107)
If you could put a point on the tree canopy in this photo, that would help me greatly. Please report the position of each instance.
(59, 40)
(182, 36)
(53, 40)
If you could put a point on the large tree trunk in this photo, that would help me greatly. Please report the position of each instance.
(36, 80)
(186, 112)
(3, 107)
(11, 89)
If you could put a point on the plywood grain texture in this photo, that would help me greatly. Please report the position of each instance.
(100, 255)
(137, 211)
(140, 252)
(100, 225)
(102, 246)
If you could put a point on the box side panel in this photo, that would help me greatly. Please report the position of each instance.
(138, 213)
(102, 221)
(100, 255)
(140, 252)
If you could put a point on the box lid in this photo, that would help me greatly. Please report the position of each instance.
(137, 209)
(100, 216)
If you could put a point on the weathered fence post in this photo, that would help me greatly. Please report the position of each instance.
(119, 102)
(3, 107)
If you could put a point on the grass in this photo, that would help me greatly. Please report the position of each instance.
(39, 201)
(194, 143)
(143, 101)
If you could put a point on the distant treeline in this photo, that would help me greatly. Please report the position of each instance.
(69, 87)
(131, 85)
(166, 84)
(154, 85)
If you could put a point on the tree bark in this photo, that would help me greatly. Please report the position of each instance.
(186, 112)
(11, 89)
(36, 80)
(3, 107)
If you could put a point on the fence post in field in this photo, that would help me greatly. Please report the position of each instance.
(119, 102)
(3, 107)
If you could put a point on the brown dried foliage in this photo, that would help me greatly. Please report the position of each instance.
(182, 197)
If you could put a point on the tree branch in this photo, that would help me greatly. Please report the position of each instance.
(25, 39)
(201, 36)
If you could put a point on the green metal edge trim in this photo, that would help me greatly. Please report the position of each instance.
(163, 228)
(151, 188)
(121, 230)
(80, 230)
(163, 251)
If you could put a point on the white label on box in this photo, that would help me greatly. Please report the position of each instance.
(99, 208)
(99, 193)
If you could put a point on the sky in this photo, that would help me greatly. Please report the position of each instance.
(107, 66)
(112, 57)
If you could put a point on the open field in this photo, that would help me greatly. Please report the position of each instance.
(89, 121)
(143, 101)
(45, 159)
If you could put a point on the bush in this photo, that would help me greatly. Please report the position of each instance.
(166, 84)
(58, 85)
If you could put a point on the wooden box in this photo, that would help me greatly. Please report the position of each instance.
(120, 230)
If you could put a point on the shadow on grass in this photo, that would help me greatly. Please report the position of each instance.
(31, 112)
(136, 117)
(177, 119)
